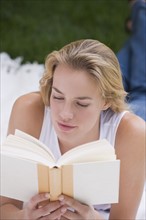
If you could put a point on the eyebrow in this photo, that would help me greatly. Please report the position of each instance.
(80, 98)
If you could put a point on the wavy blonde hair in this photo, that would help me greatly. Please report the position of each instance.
(96, 59)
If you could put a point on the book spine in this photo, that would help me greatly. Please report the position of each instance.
(55, 183)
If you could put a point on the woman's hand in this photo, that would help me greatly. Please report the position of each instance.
(39, 207)
(77, 210)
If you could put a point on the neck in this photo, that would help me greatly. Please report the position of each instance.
(68, 145)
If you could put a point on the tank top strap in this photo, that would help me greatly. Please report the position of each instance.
(109, 122)
(48, 135)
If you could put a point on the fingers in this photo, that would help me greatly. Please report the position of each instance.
(77, 210)
(56, 209)
(52, 209)
(56, 214)
(63, 218)
(71, 215)
(37, 199)
(76, 205)
(45, 210)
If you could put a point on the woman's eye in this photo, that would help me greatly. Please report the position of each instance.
(83, 105)
(58, 98)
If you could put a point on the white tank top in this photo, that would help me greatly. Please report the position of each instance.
(109, 122)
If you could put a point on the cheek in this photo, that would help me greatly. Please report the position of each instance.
(54, 107)
(88, 116)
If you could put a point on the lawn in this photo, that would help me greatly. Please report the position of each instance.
(33, 28)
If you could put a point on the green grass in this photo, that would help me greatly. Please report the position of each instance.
(33, 28)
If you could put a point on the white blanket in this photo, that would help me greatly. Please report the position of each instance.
(18, 79)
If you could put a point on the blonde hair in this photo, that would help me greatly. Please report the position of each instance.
(97, 60)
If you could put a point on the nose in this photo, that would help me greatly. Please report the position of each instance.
(66, 113)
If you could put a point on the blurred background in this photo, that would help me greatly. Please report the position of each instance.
(33, 28)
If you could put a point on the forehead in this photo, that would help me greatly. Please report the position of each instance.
(65, 72)
(76, 81)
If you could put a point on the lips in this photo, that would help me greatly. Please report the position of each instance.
(65, 127)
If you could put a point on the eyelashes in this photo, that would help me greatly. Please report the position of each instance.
(82, 105)
(77, 102)
(58, 98)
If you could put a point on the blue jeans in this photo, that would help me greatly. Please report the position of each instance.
(132, 59)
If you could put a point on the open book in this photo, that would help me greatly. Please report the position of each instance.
(89, 172)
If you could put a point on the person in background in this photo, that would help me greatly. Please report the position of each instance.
(132, 58)
(81, 99)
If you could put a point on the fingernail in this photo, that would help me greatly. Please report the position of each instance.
(47, 195)
(61, 198)
(40, 206)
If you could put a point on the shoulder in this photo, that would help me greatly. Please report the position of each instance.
(131, 125)
(131, 135)
(27, 114)
(130, 149)
(29, 102)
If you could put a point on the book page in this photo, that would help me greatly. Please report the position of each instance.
(34, 140)
(93, 151)
(19, 179)
(97, 182)
(28, 147)
(22, 148)
(16, 152)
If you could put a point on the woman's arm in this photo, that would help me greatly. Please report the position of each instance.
(26, 115)
(10, 208)
(130, 149)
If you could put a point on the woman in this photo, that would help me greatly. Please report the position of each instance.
(81, 99)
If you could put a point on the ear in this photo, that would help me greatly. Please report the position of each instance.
(106, 105)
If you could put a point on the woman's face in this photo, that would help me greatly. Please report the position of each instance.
(75, 104)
